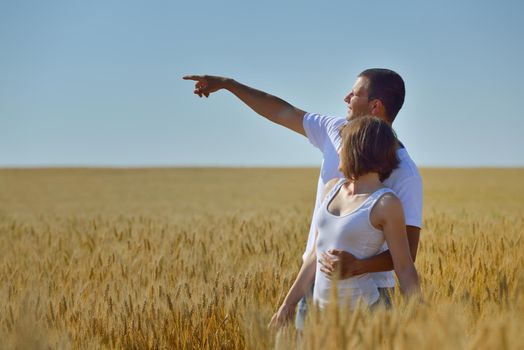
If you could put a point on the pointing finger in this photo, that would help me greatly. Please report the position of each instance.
(192, 77)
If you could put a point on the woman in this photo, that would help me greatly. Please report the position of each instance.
(357, 215)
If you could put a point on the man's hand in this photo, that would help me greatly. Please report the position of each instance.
(284, 314)
(338, 264)
(207, 84)
(347, 265)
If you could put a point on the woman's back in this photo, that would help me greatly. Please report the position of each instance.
(354, 233)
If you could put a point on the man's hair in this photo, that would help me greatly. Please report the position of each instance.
(368, 146)
(387, 86)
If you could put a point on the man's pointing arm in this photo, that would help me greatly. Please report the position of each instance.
(271, 107)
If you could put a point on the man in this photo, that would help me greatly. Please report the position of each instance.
(377, 92)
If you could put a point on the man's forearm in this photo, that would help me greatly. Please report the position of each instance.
(271, 107)
(383, 261)
(377, 263)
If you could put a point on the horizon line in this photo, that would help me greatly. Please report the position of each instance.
(219, 166)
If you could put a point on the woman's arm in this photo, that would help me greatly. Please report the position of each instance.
(302, 284)
(304, 280)
(389, 215)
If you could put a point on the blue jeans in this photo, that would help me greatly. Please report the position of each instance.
(302, 309)
(385, 298)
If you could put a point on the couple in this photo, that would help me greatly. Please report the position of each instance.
(358, 206)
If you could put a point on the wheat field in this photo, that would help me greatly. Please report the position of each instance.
(202, 258)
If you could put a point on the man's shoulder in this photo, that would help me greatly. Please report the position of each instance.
(322, 130)
(407, 164)
(407, 170)
(323, 119)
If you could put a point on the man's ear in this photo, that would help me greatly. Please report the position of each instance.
(377, 108)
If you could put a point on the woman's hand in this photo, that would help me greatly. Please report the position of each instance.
(285, 313)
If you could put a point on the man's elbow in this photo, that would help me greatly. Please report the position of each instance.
(414, 255)
(291, 118)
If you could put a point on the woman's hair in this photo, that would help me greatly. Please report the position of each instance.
(368, 146)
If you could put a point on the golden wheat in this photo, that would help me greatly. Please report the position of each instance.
(201, 258)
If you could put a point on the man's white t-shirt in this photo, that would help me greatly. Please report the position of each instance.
(323, 133)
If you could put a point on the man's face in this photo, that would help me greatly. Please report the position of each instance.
(357, 99)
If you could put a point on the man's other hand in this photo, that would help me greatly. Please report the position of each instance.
(338, 264)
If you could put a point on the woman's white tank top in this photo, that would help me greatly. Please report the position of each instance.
(354, 233)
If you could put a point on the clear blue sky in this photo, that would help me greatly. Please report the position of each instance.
(98, 83)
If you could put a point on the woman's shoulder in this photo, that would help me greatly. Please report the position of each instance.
(386, 209)
(388, 204)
